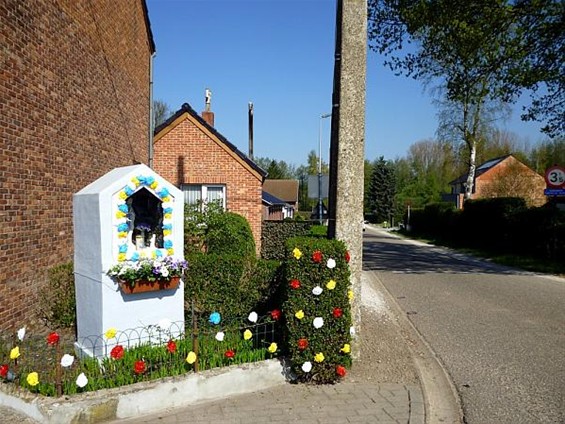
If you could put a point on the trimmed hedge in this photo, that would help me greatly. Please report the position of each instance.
(230, 284)
(274, 234)
(307, 269)
(57, 304)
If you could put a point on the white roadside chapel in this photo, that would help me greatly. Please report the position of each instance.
(128, 216)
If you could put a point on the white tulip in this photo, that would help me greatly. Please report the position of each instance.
(318, 322)
(252, 317)
(67, 360)
(317, 290)
(220, 336)
(307, 366)
(82, 380)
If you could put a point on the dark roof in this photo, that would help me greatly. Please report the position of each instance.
(481, 169)
(272, 200)
(283, 189)
(148, 25)
(185, 108)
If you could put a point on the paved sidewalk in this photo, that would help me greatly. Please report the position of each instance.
(346, 402)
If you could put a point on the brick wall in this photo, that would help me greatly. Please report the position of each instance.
(74, 103)
(188, 155)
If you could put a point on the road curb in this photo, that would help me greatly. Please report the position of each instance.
(441, 400)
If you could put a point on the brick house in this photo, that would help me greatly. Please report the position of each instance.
(504, 176)
(74, 105)
(189, 152)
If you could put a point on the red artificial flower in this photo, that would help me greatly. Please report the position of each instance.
(171, 346)
(347, 257)
(275, 314)
(317, 256)
(302, 344)
(139, 367)
(52, 338)
(229, 354)
(4, 371)
(117, 352)
(340, 370)
(337, 312)
(295, 284)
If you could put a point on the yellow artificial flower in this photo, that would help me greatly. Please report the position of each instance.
(191, 357)
(120, 214)
(111, 333)
(171, 251)
(331, 285)
(154, 185)
(123, 195)
(122, 234)
(121, 257)
(32, 379)
(350, 294)
(297, 253)
(15, 353)
(247, 334)
(168, 216)
(272, 348)
(299, 314)
(166, 232)
(135, 181)
(346, 348)
(154, 254)
(319, 357)
(167, 199)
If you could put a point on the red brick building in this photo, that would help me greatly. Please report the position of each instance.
(190, 153)
(504, 176)
(74, 104)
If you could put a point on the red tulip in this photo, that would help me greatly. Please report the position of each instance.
(275, 314)
(139, 367)
(117, 352)
(229, 354)
(302, 344)
(347, 257)
(340, 370)
(171, 346)
(53, 338)
(4, 371)
(337, 312)
(317, 256)
(295, 284)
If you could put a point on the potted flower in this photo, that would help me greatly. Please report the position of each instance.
(148, 274)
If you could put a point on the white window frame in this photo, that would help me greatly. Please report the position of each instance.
(204, 192)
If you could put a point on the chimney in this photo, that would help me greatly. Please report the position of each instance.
(208, 115)
(250, 116)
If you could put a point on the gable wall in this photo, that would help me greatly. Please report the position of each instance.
(74, 78)
(187, 155)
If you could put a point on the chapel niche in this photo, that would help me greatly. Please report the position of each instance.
(146, 219)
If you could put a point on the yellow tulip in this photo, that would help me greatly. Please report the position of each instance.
(191, 357)
(319, 357)
(247, 334)
(346, 348)
(272, 348)
(15, 353)
(350, 294)
(111, 333)
(299, 314)
(331, 285)
(32, 379)
(297, 253)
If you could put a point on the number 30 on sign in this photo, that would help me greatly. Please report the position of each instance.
(555, 177)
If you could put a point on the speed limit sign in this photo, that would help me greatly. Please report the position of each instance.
(555, 177)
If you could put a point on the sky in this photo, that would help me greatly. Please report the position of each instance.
(278, 54)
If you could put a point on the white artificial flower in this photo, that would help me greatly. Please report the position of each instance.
(318, 322)
(307, 366)
(164, 271)
(331, 263)
(352, 330)
(82, 380)
(67, 360)
(252, 317)
(21, 333)
(317, 290)
(220, 336)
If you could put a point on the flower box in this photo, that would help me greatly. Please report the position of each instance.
(144, 286)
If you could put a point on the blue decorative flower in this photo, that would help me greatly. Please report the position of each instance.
(167, 210)
(123, 227)
(163, 193)
(123, 208)
(215, 318)
(167, 226)
(141, 179)
(168, 244)
(135, 257)
(128, 190)
(123, 248)
(149, 180)
(158, 253)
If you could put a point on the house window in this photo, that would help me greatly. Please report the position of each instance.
(200, 193)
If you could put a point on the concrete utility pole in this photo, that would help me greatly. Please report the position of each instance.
(347, 149)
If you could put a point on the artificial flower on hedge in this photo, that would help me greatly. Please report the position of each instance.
(318, 334)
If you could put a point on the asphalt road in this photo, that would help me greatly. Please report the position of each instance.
(499, 332)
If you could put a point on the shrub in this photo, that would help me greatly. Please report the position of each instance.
(316, 292)
(275, 233)
(57, 299)
(230, 284)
